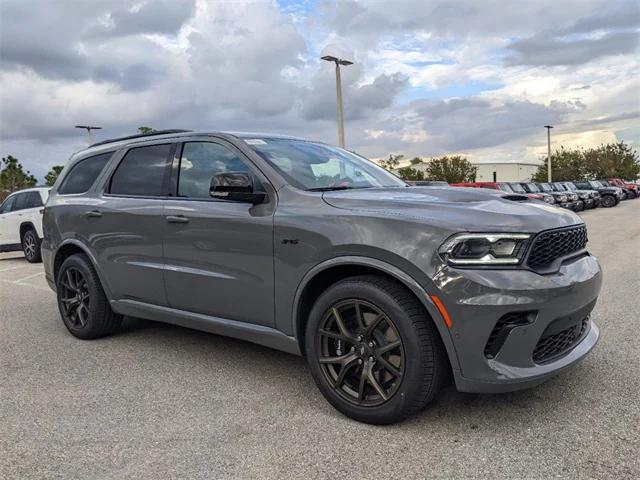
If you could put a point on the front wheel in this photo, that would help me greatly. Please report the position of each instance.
(608, 201)
(372, 350)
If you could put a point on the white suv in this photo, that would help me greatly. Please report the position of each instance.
(21, 222)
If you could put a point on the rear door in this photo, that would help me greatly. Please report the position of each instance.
(126, 226)
(218, 253)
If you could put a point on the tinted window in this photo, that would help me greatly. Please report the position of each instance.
(200, 162)
(34, 200)
(21, 201)
(83, 174)
(7, 205)
(142, 171)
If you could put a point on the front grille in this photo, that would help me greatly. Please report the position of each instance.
(551, 346)
(549, 246)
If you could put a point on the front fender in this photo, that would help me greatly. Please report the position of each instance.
(423, 293)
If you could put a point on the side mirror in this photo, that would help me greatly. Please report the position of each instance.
(236, 187)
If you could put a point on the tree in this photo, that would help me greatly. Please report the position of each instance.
(611, 160)
(409, 173)
(416, 161)
(392, 163)
(145, 130)
(452, 169)
(616, 160)
(51, 177)
(13, 177)
(566, 165)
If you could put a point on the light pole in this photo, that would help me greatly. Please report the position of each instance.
(548, 127)
(89, 128)
(338, 62)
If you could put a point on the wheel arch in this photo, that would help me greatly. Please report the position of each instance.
(25, 227)
(71, 247)
(336, 269)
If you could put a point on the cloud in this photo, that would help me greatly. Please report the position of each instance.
(478, 78)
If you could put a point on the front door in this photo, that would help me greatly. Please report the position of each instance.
(218, 253)
(9, 222)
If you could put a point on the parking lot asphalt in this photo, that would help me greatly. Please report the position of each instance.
(158, 401)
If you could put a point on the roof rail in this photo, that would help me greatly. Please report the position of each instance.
(140, 135)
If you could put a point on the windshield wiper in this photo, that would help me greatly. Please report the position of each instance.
(331, 189)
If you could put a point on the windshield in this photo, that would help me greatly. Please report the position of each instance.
(570, 186)
(560, 187)
(505, 188)
(545, 187)
(595, 184)
(315, 166)
(532, 187)
(517, 188)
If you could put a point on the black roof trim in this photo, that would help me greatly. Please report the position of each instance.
(141, 135)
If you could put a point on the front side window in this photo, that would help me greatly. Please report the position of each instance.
(142, 172)
(315, 166)
(200, 161)
(505, 188)
(595, 184)
(7, 206)
(83, 174)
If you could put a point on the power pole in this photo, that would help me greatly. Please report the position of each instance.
(338, 62)
(89, 129)
(548, 127)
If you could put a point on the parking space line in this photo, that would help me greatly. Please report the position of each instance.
(13, 282)
(14, 268)
(28, 277)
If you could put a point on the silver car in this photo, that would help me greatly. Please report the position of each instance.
(387, 291)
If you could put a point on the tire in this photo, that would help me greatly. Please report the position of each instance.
(83, 306)
(418, 366)
(31, 247)
(608, 201)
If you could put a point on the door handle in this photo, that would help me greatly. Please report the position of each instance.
(93, 214)
(177, 219)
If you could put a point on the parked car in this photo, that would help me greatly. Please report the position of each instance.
(628, 192)
(505, 187)
(545, 197)
(584, 197)
(21, 222)
(609, 196)
(308, 248)
(625, 185)
(591, 198)
(566, 200)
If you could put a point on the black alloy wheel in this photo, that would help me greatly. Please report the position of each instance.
(75, 298)
(360, 352)
(608, 201)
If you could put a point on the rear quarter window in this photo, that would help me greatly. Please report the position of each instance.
(83, 174)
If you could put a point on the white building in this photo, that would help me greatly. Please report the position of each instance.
(505, 171)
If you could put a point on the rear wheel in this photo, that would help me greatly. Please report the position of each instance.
(373, 352)
(82, 303)
(608, 201)
(31, 246)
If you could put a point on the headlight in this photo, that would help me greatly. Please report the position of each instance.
(485, 248)
(548, 199)
(584, 196)
(562, 198)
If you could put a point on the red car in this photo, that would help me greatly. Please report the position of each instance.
(625, 185)
(506, 187)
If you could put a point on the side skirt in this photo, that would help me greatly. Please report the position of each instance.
(269, 337)
(12, 247)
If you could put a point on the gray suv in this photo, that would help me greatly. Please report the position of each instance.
(387, 291)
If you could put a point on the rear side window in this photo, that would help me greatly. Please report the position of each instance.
(83, 174)
(21, 201)
(143, 171)
(34, 200)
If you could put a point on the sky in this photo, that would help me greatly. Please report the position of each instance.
(478, 78)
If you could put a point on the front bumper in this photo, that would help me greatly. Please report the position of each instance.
(477, 299)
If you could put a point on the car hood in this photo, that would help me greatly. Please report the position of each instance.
(459, 209)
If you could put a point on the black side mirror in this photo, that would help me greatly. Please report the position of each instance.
(236, 187)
